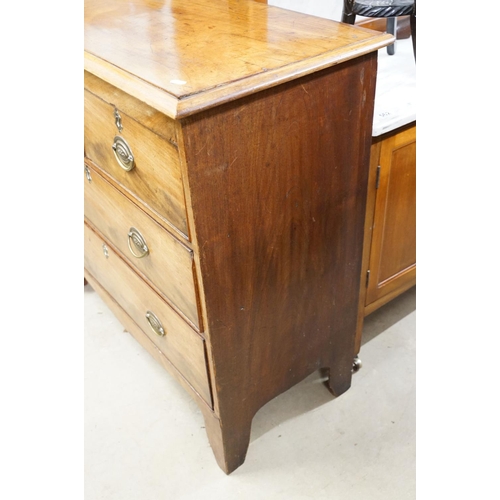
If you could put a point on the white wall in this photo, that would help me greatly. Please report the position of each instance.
(331, 9)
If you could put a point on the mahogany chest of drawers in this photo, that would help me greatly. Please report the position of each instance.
(226, 159)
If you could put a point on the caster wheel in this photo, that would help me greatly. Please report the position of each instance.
(356, 365)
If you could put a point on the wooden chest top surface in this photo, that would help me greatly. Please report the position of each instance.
(188, 56)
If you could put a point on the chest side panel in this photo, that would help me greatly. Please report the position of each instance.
(278, 191)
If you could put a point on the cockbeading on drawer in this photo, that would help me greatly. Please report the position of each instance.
(183, 347)
(136, 147)
(148, 247)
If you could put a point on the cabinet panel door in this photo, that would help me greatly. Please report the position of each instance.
(393, 250)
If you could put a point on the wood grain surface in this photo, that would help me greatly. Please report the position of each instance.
(133, 329)
(367, 239)
(155, 180)
(264, 172)
(278, 190)
(181, 345)
(151, 118)
(181, 57)
(393, 248)
(389, 251)
(168, 265)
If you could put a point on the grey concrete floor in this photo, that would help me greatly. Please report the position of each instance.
(145, 437)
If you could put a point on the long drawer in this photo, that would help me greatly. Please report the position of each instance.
(176, 340)
(149, 248)
(117, 142)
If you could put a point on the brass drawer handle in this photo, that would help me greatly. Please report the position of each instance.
(123, 153)
(137, 241)
(155, 324)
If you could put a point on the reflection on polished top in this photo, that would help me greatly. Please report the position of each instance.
(182, 56)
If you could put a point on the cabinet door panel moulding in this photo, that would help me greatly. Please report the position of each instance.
(389, 253)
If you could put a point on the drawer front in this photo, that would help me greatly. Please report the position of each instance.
(149, 248)
(155, 177)
(180, 344)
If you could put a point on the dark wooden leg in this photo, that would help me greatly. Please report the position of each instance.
(413, 26)
(348, 15)
(348, 18)
(392, 29)
(84, 281)
(229, 440)
(339, 375)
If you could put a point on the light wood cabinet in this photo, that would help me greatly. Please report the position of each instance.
(389, 251)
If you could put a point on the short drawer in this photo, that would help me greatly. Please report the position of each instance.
(176, 340)
(149, 248)
(117, 142)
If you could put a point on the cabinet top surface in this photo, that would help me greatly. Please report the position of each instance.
(188, 56)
